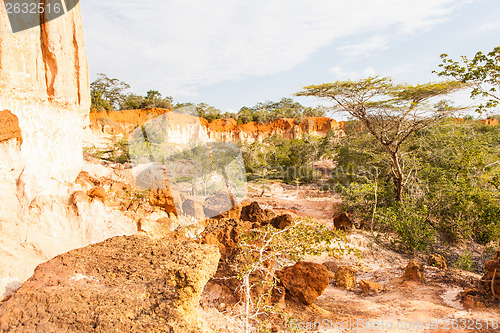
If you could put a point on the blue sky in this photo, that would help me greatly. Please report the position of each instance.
(230, 53)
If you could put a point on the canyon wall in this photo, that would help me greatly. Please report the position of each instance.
(44, 81)
(44, 105)
(226, 130)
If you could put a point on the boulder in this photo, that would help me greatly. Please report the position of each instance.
(345, 277)
(490, 282)
(124, 284)
(225, 234)
(165, 199)
(342, 222)
(253, 213)
(369, 287)
(332, 266)
(233, 213)
(437, 260)
(282, 221)
(160, 228)
(414, 271)
(304, 281)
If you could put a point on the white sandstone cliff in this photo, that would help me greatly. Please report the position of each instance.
(44, 82)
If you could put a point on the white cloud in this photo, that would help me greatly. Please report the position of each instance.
(491, 26)
(366, 47)
(340, 74)
(178, 46)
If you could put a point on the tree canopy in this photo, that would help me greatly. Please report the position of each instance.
(107, 93)
(390, 112)
(482, 73)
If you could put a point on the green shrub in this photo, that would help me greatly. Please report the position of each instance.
(410, 224)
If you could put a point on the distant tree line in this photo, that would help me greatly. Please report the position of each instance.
(110, 94)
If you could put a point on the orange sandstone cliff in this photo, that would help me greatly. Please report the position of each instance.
(226, 130)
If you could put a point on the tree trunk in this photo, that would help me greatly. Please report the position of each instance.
(398, 177)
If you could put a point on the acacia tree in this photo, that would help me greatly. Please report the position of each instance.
(482, 73)
(390, 112)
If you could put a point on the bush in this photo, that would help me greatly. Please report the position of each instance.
(410, 224)
(451, 172)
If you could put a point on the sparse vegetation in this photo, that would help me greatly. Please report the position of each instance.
(263, 251)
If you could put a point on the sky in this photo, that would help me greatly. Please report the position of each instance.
(231, 54)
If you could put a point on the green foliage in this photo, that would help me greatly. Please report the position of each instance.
(287, 160)
(153, 99)
(270, 111)
(118, 153)
(304, 237)
(464, 261)
(452, 172)
(390, 113)
(410, 224)
(482, 73)
(107, 93)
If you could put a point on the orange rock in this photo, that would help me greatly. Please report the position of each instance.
(490, 122)
(97, 193)
(304, 281)
(345, 277)
(342, 222)
(370, 286)
(414, 271)
(9, 127)
(227, 130)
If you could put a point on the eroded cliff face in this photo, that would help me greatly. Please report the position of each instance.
(225, 130)
(44, 90)
(44, 81)
(228, 130)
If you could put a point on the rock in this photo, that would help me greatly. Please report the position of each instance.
(9, 127)
(86, 181)
(304, 281)
(414, 271)
(217, 204)
(164, 198)
(281, 222)
(278, 297)
(97, 193)
(192, 207)
(437, 260)
(44, 82)
(225, 234)
(254, 213)
(332, 266)
(490, 122)
(369, 287)
(234, 213)
(160, 228)
(345, 277)
(228, 130)
(473, 299)
(490, 282)
(342, 222)
(125, 284)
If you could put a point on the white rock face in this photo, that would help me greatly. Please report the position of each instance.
(44, 81)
